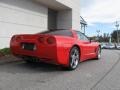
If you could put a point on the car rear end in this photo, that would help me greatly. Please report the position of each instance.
(37, 46)
(52, 47)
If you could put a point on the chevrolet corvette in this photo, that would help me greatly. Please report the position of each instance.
(61, 47)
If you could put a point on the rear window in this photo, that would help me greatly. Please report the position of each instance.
(59, 32)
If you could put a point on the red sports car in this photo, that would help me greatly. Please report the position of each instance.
(60, 47)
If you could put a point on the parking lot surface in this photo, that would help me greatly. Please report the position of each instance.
(103, 74)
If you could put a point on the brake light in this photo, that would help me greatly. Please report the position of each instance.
(13, 38)
(50, 40)
(41, 39)
(16, 38)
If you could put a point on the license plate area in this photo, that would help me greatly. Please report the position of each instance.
(28, 46)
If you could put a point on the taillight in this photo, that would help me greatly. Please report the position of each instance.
(16, 38)
(50, 40)
(13, 38)
(41, 39)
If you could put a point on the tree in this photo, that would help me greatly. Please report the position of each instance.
(102, 38)
(114, 35)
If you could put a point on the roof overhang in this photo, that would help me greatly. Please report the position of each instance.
(53, 4)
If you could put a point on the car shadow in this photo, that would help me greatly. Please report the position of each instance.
(41, 66)
(29, 68)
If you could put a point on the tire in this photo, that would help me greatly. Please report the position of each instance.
(74, 58)
(98, 53)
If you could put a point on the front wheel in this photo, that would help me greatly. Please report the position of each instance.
(74, 58)
(98, 53)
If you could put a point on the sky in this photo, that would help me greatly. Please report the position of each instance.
(100, 15)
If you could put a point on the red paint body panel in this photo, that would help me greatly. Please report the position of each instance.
(52, 48)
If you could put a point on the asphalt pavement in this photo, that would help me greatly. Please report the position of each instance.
(103, 74)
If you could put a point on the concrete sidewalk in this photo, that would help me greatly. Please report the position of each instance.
(8, 59)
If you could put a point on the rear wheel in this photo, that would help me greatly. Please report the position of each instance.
(74, 58)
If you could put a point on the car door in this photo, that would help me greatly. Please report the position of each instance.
(87, 48)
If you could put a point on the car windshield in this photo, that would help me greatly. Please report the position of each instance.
(58, 32)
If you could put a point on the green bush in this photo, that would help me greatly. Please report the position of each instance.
(5, 51)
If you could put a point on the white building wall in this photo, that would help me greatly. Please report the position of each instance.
(76, 15)
(21, 16)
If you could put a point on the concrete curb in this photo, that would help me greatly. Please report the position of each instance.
(8, 59)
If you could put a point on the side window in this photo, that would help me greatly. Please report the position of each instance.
(82, 36)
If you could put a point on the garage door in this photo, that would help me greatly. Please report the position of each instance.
(21, 16)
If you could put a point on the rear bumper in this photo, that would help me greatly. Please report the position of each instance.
(51, 54)
(46, 53)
